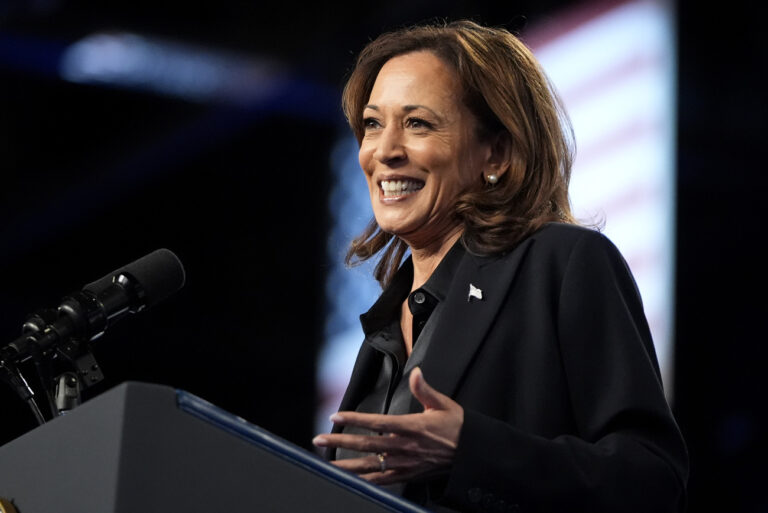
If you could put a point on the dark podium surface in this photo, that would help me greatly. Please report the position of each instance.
(144, 448)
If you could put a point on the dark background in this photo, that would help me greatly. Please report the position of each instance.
(93, 178)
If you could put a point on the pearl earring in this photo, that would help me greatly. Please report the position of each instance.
(492, 179)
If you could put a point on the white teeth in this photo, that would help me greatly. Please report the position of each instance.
(400, 187)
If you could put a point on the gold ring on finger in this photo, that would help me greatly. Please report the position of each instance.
(382, 461)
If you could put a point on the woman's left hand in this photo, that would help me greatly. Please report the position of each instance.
(417, 445)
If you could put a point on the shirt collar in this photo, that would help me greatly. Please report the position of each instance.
(387, 307)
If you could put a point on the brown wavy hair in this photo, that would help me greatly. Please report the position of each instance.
(507, 91)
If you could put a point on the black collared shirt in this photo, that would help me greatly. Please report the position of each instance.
(381, 325)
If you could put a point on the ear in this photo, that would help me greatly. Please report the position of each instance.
(499, 154)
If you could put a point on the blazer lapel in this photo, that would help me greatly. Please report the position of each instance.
(465, 321)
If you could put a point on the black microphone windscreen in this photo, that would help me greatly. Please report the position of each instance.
(160, 274)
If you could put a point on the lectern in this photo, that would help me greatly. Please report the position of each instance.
(145, 448)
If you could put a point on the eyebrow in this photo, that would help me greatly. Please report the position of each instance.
(406, 108)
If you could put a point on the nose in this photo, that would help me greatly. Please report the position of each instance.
(390, 146)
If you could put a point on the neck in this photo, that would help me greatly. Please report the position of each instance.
(427, 258)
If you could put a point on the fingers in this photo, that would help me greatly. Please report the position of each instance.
(428, 451)
(400, 424)
(366, 443)
(392, 444)
(415, 445)
(398, 468)
(369, 468)
(364, 465)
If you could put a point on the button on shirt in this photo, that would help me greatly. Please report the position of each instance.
(381, 324)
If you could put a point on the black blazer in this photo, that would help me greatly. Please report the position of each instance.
(558, 378)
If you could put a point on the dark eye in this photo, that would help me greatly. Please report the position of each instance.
(418, 123)
(369, 123)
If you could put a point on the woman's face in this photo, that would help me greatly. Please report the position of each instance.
(419, 149)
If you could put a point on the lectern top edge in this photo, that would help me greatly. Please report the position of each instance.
(256, 435)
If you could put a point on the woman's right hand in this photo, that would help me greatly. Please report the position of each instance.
(417, 445)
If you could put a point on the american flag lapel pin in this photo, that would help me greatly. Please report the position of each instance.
(474, 292)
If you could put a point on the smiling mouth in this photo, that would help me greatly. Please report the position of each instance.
(398, 188)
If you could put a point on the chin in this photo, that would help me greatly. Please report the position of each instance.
(393, 228)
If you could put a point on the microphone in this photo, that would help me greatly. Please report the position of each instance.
(86, 314)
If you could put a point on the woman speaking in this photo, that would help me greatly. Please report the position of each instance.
(507, 364)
